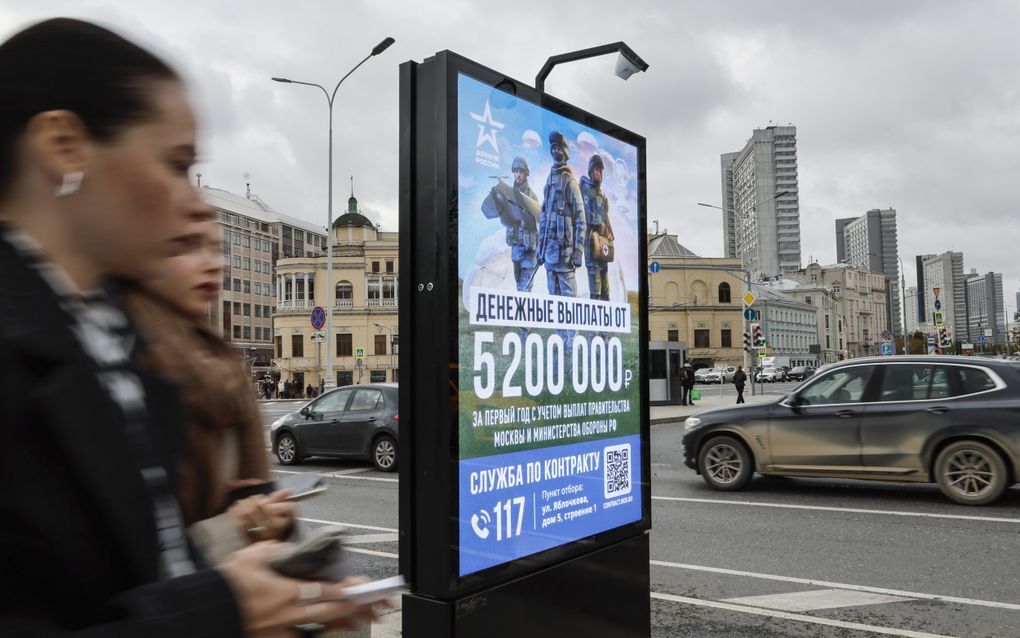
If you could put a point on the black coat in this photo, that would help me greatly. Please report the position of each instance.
(78, 542)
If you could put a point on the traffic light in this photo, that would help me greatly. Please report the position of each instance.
(747, 342)
(944, 339)
(756, 337)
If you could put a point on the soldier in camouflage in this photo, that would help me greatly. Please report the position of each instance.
(521, 235)
(596, 209)
(561, 236)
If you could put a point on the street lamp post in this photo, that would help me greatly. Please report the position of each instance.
(627, 64)
(379, 48)
(743, 262)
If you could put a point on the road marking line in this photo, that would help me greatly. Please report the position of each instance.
(372, 527)
(359, 539)
(832, 585)
(852, 510)
(816, 599)
(371, 552)
(339, 475)
(353, 470)
(816, 620)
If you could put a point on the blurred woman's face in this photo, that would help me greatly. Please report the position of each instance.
(190, 279)
(137, 203)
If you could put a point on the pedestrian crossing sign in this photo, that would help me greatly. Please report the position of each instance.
(359, 353)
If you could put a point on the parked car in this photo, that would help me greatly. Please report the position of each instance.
(721, 374)
(700, 374)
(768, 374)
(355, 421)
(782, 373)
(799, 373)
(954, 421)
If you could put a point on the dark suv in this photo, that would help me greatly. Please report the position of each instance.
(799, 373)
(358, 421)
(954, 421)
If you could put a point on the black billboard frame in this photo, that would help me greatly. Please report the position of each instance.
(428, 228)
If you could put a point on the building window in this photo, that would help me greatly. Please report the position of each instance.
(237, 285)
(265, 311)
(807, 299)
(279, 347)
(344, 345)
(247, 286)
(258, 265)
(258, 310)
(237, 239)
(389, 266)
(246, 241)
(380, 344)
(344, 377)
(299, 236)
(237, 261)
(724, 293)
(237, 307)
(258, 286)
(226, 235)
(297, 346)
(247, 263)
(287, 232)
(258, 333)
(247, 332)
(377, 376)
(701, 338)
(237, 332)
(375, 266)
(727, 338)
(247, 310)
(672, 335)
(344, 294)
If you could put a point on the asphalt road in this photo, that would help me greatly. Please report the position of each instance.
(785, 558)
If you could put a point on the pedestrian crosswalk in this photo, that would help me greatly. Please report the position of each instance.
(817, 599)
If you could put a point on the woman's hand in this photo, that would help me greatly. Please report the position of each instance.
(273, 605)
(264, 517)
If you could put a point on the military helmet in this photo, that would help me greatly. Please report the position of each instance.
(595, 162)
(520, 164)
(556, 139)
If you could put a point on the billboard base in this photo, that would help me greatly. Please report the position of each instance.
(602, 594)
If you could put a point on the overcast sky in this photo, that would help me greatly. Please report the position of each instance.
(913, 105)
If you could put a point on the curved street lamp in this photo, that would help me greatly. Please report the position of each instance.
(329, 382)
(627, 64)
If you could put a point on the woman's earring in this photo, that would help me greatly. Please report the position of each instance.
(71, 184)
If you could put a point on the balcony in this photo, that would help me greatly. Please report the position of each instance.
(382, 303)
(300, 303)
(344, 303)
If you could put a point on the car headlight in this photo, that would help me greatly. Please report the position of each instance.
(691, 423)
(277, 423)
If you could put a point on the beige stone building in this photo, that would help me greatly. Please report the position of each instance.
(366, 280)
(696, 301)
(254, 237)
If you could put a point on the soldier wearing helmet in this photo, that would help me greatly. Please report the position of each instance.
(596, 210)
(561, 235)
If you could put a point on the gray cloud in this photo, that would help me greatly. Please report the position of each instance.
(910, 104)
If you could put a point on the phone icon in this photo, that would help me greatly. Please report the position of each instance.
(482, 529)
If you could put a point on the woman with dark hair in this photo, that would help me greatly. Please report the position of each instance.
(96, 141)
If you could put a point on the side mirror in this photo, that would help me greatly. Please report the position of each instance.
(305, 412)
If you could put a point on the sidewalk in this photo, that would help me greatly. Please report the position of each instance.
(662, 414)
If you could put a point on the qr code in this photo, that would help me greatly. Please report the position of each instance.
(617, 470)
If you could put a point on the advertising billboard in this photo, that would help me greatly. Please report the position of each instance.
(548, 250)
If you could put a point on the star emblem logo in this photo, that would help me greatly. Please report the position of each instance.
(487, 127)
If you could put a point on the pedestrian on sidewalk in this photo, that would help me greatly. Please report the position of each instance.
(97, 137)
(739, 379)
(687, 384)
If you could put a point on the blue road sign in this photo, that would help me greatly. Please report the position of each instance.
(654, 267)
(980, 338)
(886, 348)
(318, 317)
(751, 314)
(938, 305)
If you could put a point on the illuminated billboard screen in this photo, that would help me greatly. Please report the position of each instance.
(549, 272)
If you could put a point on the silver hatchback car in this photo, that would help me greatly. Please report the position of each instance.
(954, 421)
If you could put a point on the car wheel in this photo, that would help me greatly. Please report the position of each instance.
(971, 473)
(384, 454)
(287, 449)
(725, 464)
